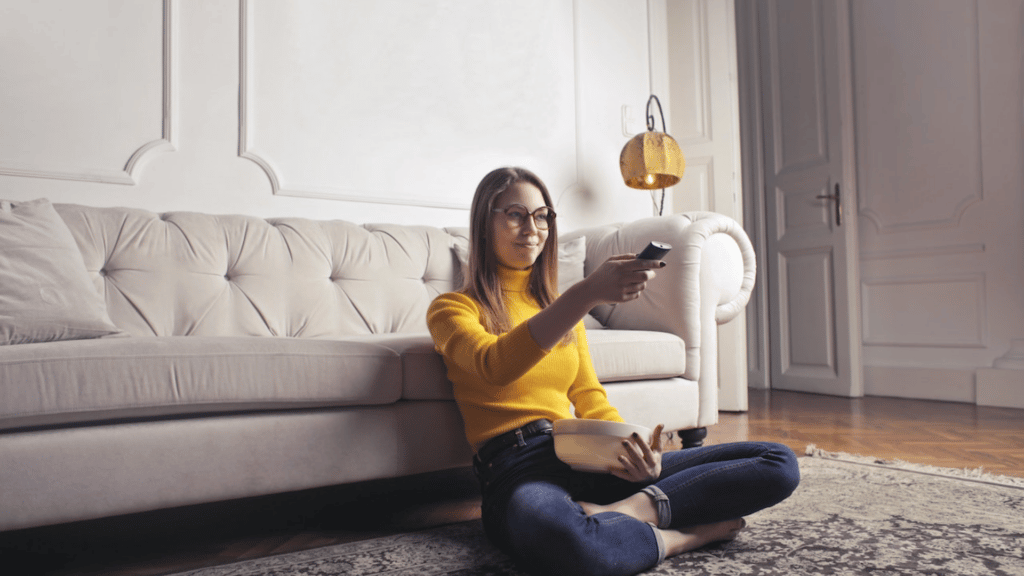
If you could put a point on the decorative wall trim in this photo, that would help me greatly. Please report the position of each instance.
(971, 197)
(1000, 387)
(977, 337)
(67, 173)
(245, 142)
(169, 140)
(701, 85)
(1014, 359)
(700, 177)
(245, 24)
(578, 96)
(944, 384)
(166, 143)
(952, 221)
(925, 252)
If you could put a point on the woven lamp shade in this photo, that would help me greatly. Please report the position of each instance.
(651, 160)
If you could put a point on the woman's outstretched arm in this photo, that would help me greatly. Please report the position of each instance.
(619, 279)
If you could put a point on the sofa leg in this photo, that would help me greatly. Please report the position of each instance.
(693, 438)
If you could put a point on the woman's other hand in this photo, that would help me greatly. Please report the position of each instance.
(620, 279)
(642, 462)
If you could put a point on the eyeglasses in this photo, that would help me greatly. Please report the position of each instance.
(516, 215)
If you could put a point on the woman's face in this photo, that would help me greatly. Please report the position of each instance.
(517, 244)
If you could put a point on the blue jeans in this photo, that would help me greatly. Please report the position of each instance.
(530, 508)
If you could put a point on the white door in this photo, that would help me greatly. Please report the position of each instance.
(810, 215)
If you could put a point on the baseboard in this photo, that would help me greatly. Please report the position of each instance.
(984, 386)
(948, 385)
(1003, 388)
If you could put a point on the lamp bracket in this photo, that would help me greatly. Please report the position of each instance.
(650, 128)
(650, 117)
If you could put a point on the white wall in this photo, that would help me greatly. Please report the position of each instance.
(287, 108)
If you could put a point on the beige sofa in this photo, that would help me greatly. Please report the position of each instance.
(232, 356)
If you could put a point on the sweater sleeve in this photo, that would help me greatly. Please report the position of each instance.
(454, 323)
(586, 392)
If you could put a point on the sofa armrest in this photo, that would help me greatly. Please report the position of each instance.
(707, 281)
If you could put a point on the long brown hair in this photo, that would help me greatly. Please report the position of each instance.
(483, 282)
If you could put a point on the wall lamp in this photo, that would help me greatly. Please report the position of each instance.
(652, 160)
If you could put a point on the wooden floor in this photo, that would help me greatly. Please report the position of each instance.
(163, 542)
(947, 434)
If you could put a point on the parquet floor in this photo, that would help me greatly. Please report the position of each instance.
(168, 541)
(947, 434)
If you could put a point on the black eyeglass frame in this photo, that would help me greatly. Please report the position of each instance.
(547, 222)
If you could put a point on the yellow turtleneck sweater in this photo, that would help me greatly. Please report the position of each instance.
(503, 382)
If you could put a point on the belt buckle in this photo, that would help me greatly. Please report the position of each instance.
(520, 440)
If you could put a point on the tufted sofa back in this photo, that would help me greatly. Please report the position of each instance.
(190, 274)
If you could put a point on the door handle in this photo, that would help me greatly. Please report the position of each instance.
(839, 204)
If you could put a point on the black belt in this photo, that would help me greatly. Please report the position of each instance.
(512, 438)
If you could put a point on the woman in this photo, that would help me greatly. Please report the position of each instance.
(517, 355)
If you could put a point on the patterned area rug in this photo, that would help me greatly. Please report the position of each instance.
(850, 516)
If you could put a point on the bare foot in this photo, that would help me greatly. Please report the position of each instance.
(678, 540)
(693, 537)
(638, 506)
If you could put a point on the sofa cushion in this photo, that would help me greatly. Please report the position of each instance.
(618, 355)
(674, 402)
(636, 354)
(89, 380)
(47, 294)
(191, 274)
(424, 375)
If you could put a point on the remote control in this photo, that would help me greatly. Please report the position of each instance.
(654, 251)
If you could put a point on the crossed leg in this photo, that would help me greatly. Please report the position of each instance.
(703, 493)
(677, 541)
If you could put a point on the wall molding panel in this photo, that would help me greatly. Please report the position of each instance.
(925, 252)
(698, 183)
(93, 92)
(168, 140)
(926, 312)
(245, 57)
(128, 172)
(956, 213)
(517, 82)
(943, 384)
(917, 173)
(691, 77)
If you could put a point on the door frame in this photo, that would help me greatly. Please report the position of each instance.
(759, 358)
(751, 131)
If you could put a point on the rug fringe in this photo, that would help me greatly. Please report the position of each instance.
(977, 474)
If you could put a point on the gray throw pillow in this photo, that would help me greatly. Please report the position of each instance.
(45, 290)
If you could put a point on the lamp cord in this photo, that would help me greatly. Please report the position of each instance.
(661, 208)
